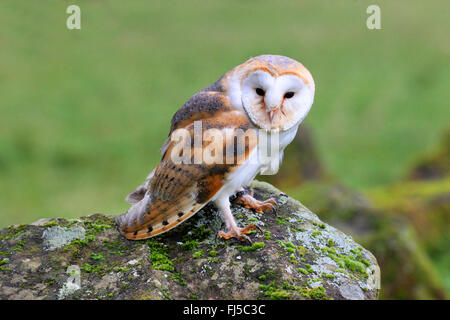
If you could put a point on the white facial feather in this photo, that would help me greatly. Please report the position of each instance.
(268, 101)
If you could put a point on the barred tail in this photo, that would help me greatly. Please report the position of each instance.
(146, 219)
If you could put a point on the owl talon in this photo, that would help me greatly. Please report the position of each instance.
(249, 202)
(251, 227)
(240, 234)
(243, 237)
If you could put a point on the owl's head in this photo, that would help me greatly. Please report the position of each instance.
(275, 91)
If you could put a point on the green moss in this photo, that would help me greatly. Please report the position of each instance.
(309, 293)
(50, 282)
(112, 245)
(212, 253)
(166, 295)
(197, 254)
(122, 269)
(120, 248)
(301, 250)
(98, 256)
(365, 261)
(124, 287)
(304, 271)
(286, 291)
(4, 261)
(79, 243)
(353, 261)
(119, 252)
(201, 233)
(14, 232)
(270, 273)
(286, 244)
(19, 246)
(34, 249)
(247, 270)
(5, 269)
(315, 293)
(267, 235)
(179, 279)
(316, 233)
(93, 269)
(279, 295)
(4, 253)
(189, 245)
(341, 271)
(274, 293)
(291, 250)
(51, 224)
(262, 277)
(159, 257)
(354, 265)
(192, 296)
(98, 225)
(255, 246)
(308, 268)
(320, 225)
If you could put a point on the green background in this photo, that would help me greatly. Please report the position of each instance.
(84, 112)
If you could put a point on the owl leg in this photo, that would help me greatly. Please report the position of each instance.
(246, 199)
(233, 230)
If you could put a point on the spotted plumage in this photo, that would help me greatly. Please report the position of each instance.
(269, 94)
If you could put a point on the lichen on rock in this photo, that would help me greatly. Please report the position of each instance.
(56, 237)
(297, 256)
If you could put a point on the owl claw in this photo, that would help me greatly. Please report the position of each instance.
(240, 233)
(249, 202)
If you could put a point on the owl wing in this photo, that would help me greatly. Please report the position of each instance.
(178, 190)
(208, 100)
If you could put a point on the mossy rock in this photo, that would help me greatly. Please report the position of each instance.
(296, 257)
(399, 224)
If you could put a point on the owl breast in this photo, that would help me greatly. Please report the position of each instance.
(261, 161)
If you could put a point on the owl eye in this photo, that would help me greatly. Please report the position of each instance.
(260, 92)
(289, 95)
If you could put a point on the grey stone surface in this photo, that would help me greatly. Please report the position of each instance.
(296, 257)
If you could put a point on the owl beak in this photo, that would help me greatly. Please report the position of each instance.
(272, 111)
(271, 114)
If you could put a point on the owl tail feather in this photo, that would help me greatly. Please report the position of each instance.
(146, 219)
(138, 194)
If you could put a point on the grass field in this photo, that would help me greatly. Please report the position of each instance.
(83, 112)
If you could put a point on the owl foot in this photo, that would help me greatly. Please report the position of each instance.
(249, 202)
(240, 233)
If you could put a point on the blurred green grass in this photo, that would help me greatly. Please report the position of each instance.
(83, 113)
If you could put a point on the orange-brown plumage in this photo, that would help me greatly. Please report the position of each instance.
(177, 191)
(269, 92)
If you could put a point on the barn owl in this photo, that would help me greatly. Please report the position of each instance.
(268, 94)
